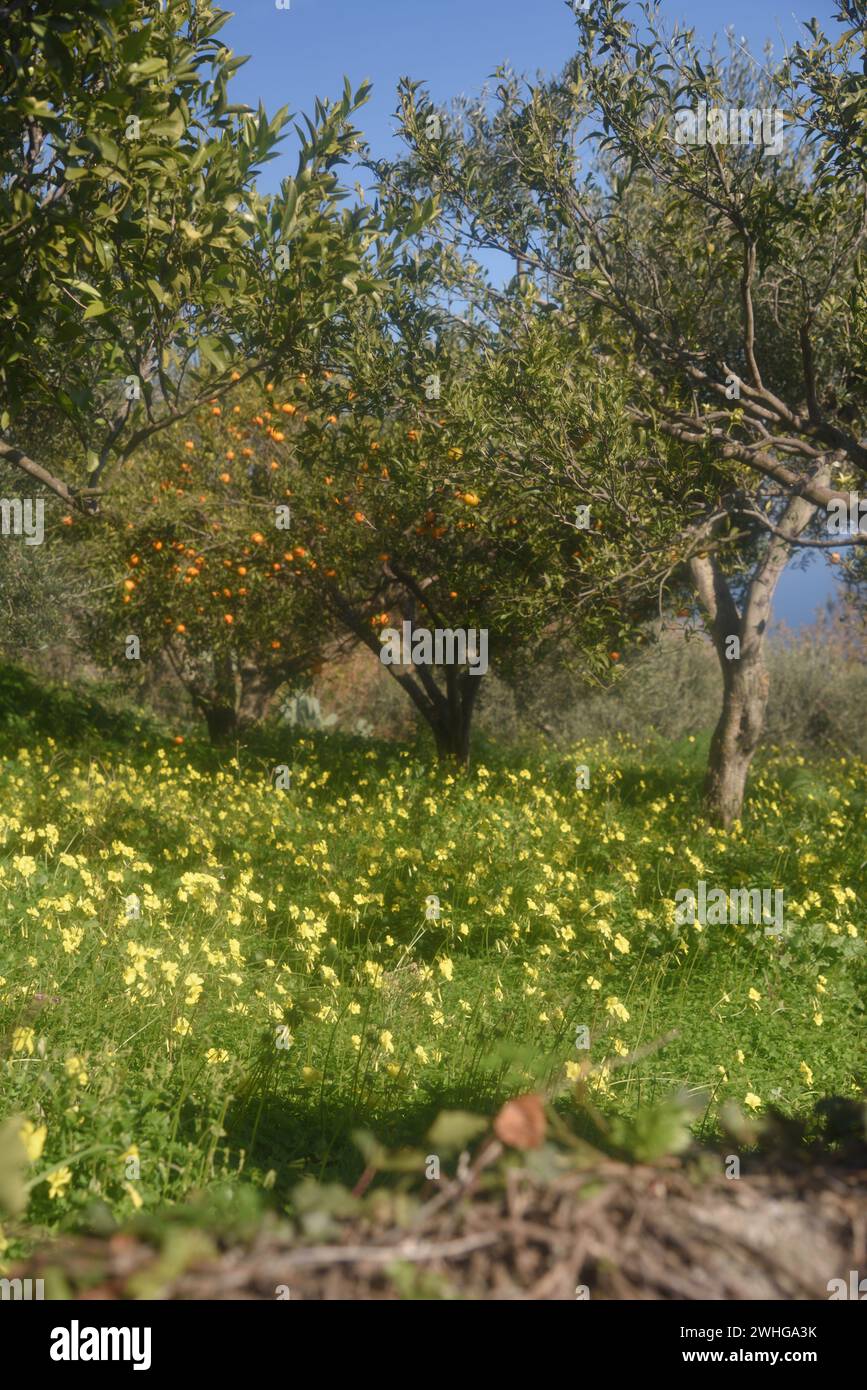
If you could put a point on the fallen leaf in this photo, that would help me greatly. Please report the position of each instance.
(521, 1122)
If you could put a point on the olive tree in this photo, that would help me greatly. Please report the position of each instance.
(705, 216)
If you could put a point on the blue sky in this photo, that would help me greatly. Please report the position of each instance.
(453, 46)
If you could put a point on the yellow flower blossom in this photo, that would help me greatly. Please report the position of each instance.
(33, 1138)
(22, 1040)
(58, 1181)
(75, 1067)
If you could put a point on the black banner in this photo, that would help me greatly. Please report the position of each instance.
(58, 1340)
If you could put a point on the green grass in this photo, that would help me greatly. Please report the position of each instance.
(151, 1061)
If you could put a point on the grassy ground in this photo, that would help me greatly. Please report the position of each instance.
(281, 986)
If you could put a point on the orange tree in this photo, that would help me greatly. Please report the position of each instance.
(339, 504)
(207, 571)
(411, 515)
(259, 541)
(493, 481)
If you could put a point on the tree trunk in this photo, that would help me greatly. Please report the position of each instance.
(231, 693)
(448, 713)
(451, 729)
(739, 639)
(222, 722)
(258, 686)
(736, 736)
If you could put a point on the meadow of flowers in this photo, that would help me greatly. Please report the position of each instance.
(205, 979)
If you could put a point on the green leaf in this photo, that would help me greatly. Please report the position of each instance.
(655, 1131)
(211, 350)
(373, 1153)
(31, 107)
(149, 67)
(172, 128)
(452, 1130)
(83, 288)
(159, 293)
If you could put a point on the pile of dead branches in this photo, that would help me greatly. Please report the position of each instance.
(609, 1231)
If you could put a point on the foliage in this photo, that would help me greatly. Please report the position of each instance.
(139, 260)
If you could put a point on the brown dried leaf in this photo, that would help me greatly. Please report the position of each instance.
(521, 1123)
